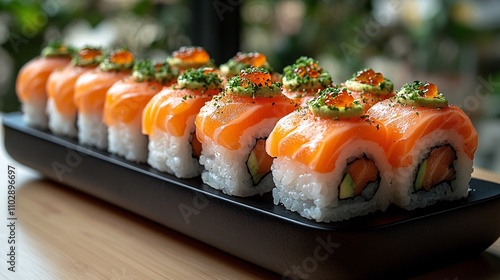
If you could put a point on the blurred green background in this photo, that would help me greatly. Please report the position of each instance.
(453, 43)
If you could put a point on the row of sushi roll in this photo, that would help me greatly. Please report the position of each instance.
(327, 151)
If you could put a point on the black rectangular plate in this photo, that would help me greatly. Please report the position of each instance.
(395, 242)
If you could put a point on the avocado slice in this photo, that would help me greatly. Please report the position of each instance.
(385, 88)
(346, 187)
(420, 175)
(337, 112)
(425, 102)
(253, 167)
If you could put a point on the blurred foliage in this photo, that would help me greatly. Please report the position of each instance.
(27, 25)
(430, 36)
(419, 36)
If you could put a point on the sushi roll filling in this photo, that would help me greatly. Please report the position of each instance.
(370, 82)
(336, 103)
(305, 75)
(361, 179)
(259, 162)
(436, 169)
(421, 95)
(195, 145)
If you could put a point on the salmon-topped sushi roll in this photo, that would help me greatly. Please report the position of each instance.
(431, 148)
(232, 129)
(370, 87)
(31, 82)
(189, 57)
(61, 108)
(90, 96)
(125, 102)
(243, 60)
(303, 79)
(329, 161)
(168, 120)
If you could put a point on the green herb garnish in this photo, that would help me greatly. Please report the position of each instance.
(304, 74)
(421, 95)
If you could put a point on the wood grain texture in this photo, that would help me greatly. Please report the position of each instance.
(65, 234)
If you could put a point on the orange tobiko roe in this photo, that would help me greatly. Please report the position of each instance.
(430, 90)
(368, 76)
(252, 59)
(257, 77)
(343, 99)
(312, 70)
(89, 54)
(192, 55)
(121, 57)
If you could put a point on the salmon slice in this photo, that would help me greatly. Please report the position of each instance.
(439, 167)
(301, 97)
(126, 99)
(318, 142)
(61, 86)
(196, 145)
(362, 171)
(264, 160)
(408, 124)
(171, 109)
(91, 87)
(32, 78)
(226, 117)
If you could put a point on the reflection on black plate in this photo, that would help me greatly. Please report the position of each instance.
(396, 242)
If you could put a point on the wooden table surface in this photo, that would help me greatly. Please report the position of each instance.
(65, 234)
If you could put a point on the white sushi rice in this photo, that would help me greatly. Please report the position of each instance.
(173, 154)
(404, 194)
(60, 124)
(226, 169)
(92, 131)
(34, 112)
(127, 140)
(314, 195)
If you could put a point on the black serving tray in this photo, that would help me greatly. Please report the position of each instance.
(393, 243)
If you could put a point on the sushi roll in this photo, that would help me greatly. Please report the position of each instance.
(431, 148)
(303, 79)
(232, 129)
(124, 104)
(189, 57)
(32, 79)
(61, 109)
(243, 60)
(329, 161)
(90, 96)
(369, 87)
(168, 120)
